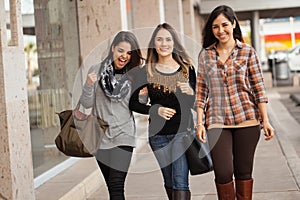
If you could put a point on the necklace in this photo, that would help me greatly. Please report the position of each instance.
(224, 53)
(165, 83)
(167, 68)
(224, 50)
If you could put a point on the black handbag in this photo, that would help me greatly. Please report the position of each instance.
(197, 153)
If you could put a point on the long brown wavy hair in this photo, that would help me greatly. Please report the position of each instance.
(179, 53)
(207, 33)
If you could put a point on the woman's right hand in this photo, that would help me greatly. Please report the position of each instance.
(91, 78)
(201, 133)
(166, 113)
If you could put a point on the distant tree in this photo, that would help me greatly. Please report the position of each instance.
(29, 49)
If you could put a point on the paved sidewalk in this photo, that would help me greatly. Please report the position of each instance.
(276, 170)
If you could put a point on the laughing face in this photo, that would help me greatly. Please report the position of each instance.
(223, 29)
(121, 54)
(164, 43)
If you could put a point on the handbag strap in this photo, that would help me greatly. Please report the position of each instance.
(189, 125)
(77, 107)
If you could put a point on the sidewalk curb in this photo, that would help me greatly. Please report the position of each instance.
(85, 188)
(82, 186)
(74, 183)
(278, 113)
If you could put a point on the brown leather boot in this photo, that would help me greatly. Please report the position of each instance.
(244, 189)
(225, 191)
(181, 195)
(169, 193)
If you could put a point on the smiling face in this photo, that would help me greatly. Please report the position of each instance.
(164, 43)
(223, 29)
(121, 54)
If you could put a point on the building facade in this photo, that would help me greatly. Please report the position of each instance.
(70, 37)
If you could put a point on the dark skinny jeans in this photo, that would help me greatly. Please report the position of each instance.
(114, 164)
(233, 152)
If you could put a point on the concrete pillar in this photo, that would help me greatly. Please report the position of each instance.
(255, 33)
(199, 24)
(188, 18)
(190, 41)
(67, 32)
(268, 80)
(57, 43)
(98, 22)
(58, 59)
(145, 18)
(145, 13)
(16, 180)
(296, 80)
(174, 14)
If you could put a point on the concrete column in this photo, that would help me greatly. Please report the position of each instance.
(16, 180)
(199, 25)
(145, 13)
(174, 14)
(145, 17)
(58, 59)
(67, 32)
(296, 80)
(98, 23)
(57, 43)
(255, 33)
(190, 42)
(188, 18)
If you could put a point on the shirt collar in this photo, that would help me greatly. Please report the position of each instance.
(238, 44)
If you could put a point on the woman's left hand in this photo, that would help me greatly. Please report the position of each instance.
(268, 130)
(166, 113)
(185, 88)
(201, 133)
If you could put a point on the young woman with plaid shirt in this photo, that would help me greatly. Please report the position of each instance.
(231, 94)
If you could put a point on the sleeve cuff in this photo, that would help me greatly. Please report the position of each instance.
(200, 104)
(262, 100)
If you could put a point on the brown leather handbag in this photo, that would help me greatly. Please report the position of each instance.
(80, 134)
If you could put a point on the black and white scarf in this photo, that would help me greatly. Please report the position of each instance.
(114, 88)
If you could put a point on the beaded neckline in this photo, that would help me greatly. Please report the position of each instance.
(167, 82)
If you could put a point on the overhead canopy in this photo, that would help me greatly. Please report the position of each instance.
(244, 9)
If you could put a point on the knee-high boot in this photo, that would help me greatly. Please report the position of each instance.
(244, 189)
(225, 191)
(169, 193)
(181, 195)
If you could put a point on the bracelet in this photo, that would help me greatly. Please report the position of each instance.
(197, 125)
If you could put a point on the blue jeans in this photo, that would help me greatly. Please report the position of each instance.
(170, 154)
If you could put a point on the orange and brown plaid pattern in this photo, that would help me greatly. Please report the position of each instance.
(229, 92)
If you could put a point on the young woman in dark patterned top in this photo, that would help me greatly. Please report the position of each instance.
(170, 79)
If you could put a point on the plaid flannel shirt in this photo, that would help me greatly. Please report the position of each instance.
(230, 92)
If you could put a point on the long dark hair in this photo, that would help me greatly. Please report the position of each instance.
(207, 33)
(179, 54)
(136, 55)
